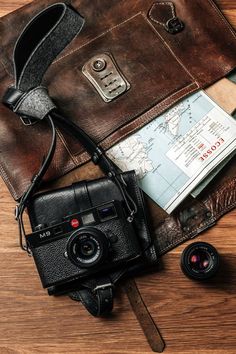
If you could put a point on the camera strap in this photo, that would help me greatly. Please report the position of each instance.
(40, 42)
(44, 38)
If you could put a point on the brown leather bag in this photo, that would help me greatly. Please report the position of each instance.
(161, 67)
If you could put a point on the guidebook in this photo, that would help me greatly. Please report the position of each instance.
(178, 149)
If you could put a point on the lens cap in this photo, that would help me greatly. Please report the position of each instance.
(200, 261)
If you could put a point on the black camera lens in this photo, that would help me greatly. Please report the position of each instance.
(200, 260)
(87, 247)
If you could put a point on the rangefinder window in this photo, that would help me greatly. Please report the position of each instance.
(107, 212)
(88, 219)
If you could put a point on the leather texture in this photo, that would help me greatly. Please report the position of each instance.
(141, 312)
(172, 65)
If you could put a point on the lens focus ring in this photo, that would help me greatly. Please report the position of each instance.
(87, 247)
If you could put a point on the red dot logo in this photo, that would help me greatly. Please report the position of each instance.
(74, 223)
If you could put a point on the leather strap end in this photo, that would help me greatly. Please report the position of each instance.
(143, 316)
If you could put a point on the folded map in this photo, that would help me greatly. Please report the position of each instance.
(178, 149)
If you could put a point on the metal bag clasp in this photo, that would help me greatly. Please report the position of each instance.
(105, 75)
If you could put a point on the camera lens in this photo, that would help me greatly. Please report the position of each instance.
(87, 247)
(200, 260)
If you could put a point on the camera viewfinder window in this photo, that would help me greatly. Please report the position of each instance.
(88, 219)
(108, 212)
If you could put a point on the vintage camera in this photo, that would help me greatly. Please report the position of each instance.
(83, 231)
(83, 244)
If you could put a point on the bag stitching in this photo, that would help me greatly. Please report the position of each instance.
(169, 48)
(5, 68)
(61, 137)
(160, 105)
(189, 235)
(100, 35)
(7, 180)
(231, 183)
(208, 223)
(217, 10)
(170, 4)
(222, 17)
(82, 157)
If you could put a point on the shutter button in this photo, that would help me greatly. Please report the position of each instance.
(99, 65)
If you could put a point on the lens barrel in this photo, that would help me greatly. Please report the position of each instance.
(87, 247)
(200, 261)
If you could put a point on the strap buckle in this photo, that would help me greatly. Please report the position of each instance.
(17, 212)
(27, 121)
(130, 218)
(97, 155)
(103, 287)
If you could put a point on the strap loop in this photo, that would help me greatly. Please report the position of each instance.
(102, 287)
(97, 297)
(45, 36)
(11, 97)
(35, 103)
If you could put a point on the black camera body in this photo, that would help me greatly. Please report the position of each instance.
(83, 231)
(87, 242)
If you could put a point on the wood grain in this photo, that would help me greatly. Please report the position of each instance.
(193, 318)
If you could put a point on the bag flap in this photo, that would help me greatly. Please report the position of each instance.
(160, 67)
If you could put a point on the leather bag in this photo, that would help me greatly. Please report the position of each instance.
(160, 60)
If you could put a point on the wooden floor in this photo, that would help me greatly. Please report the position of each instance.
(193, 318)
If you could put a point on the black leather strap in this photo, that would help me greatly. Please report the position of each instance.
(98, 154)
(97, 296)
(45, 36)
(97, 293)
(35, 184)
(34, 103)
(82, 196)
(100, 158)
